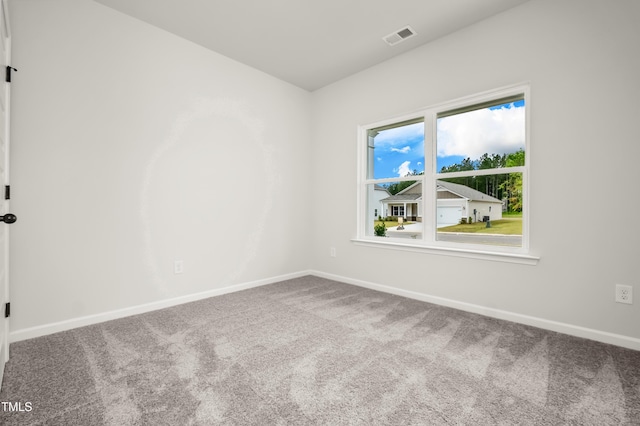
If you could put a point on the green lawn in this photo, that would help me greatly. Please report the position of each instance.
(390, 223)
(509, 225)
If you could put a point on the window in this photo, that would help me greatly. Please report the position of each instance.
(392, 150)
(457, 174)
(397, 211)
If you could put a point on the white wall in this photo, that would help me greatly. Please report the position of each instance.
(133, 148)
(129, 144)
(581, 59)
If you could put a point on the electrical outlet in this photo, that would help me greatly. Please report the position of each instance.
(178, 267)
(624, 294)
(332, 252)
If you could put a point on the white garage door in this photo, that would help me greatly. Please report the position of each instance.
(449, 216)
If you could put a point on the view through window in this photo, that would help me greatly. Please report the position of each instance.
(461, 182)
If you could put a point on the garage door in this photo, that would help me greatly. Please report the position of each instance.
(449, 216)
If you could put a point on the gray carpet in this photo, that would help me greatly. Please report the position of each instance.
(313, 351)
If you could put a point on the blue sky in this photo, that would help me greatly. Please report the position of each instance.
(399, 151)
(494, 130)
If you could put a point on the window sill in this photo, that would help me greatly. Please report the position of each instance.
(496, 256)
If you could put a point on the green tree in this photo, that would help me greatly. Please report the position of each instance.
(515, 159)
(501, 186)
(464, 165)
(380, 230)
(513, 185)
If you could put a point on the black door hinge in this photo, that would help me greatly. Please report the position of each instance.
(7, 310)
(8, 74)
(7, 192)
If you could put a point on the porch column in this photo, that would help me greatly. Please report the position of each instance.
(370, 151)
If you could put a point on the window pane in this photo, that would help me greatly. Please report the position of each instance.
(480, 209)
(394, 210)
(396, 150)
(488, 137)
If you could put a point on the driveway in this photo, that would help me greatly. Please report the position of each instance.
(414, 230)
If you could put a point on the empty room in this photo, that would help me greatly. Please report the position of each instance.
(338, 213)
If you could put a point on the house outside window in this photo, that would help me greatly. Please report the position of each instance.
(457, 172)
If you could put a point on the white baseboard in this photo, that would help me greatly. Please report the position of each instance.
(572, 330)
(43, 330)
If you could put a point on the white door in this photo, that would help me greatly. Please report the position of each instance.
(5, 54)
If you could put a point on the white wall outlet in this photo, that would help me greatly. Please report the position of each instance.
(624, 294)
(332, 252)
(178, 267)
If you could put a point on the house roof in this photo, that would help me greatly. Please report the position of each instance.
(402, 197)
(407, 194)
(467, 192)
(460, 190)
(380, 188)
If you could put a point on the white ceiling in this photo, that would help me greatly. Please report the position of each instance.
(309, 43)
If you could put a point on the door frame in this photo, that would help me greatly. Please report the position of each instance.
(4, 321)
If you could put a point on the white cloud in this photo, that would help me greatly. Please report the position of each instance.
(404, 150)
(404, 169)
(399, 135)
(472, 134)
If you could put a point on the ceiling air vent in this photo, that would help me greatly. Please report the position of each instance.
(398, 36)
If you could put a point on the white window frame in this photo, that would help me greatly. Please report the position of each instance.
(429, 242)
(397, 207)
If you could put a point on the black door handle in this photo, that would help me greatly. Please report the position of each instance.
(8, 218)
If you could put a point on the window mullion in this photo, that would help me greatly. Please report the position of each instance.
(392, 180)
(428, 182)
(481, 172)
